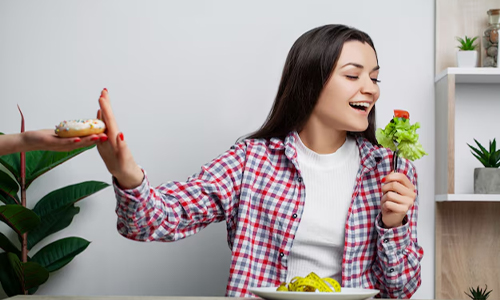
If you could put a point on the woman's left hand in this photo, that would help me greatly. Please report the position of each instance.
(398, 197)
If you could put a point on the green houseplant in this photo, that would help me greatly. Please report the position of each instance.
(487, 179)
(467, 54)
(20, 271)
(479, 294)
(467, 43)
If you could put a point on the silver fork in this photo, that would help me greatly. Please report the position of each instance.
(395, 156)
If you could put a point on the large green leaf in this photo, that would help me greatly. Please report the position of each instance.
(8, 185)
(19, 218)
(7, 246)
(13, 163)
(68, 195)
(7, 199)
(52, 223)
(59, 253)
(32, 274)
(37, 162)
(10, 284)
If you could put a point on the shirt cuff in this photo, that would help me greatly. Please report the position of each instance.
(135, 194)
(131, 205)
(393, 240)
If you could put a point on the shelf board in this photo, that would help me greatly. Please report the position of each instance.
(472, 75)
(468, 197)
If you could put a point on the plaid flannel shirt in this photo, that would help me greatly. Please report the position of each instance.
(256, 188)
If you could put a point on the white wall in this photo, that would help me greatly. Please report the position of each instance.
(473, 100)
(187, 79)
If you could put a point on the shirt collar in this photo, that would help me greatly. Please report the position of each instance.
(370, 155)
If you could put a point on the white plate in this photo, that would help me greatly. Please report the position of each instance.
(270, 293)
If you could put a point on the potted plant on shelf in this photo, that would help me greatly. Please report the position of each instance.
(467, 54)
(478, 294)
(487, 179)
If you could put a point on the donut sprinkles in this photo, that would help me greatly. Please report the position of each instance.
(79, 128)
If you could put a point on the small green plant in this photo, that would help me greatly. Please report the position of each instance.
(479, 294)
(467, 44)
(489, 159)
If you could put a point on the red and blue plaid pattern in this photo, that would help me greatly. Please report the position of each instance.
(257, 189)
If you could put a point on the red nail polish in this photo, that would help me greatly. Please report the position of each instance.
(121, 136)
(95, 138)
(383, 180)
(76, 140)
(104, 138)
(106, 89)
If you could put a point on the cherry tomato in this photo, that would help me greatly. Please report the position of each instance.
(398, 113)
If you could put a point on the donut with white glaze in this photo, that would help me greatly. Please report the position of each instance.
(82, 127)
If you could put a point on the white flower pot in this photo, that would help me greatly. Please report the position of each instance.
(467, 59)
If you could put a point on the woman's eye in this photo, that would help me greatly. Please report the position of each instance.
(375, 80)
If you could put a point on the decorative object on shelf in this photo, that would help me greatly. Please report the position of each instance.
(489, 43)
(467, 54)
(21, 270)
(487, 179)
(479, 294)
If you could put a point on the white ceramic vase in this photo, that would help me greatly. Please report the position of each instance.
(467, 59)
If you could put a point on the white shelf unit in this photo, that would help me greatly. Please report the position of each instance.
(458, 121)
(468, 197)
(471, 75)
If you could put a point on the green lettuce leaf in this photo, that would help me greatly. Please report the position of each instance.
(400, 130)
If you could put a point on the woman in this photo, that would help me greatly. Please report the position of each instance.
(314, 162)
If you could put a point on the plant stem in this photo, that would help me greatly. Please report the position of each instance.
(24, 248)
(24, 251)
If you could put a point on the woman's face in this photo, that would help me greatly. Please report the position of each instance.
(352, 90)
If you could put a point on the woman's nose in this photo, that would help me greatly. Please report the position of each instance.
(369, 87)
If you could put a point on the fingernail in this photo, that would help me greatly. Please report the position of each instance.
(104, 138)
(383, 180)
(106, 89)
(95, 138)
(121, 136)
(76, 140)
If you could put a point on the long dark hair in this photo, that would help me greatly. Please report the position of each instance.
(308, 67)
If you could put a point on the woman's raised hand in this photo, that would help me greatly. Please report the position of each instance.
(114, 151)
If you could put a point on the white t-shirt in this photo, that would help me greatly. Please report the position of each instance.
(329, 180)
